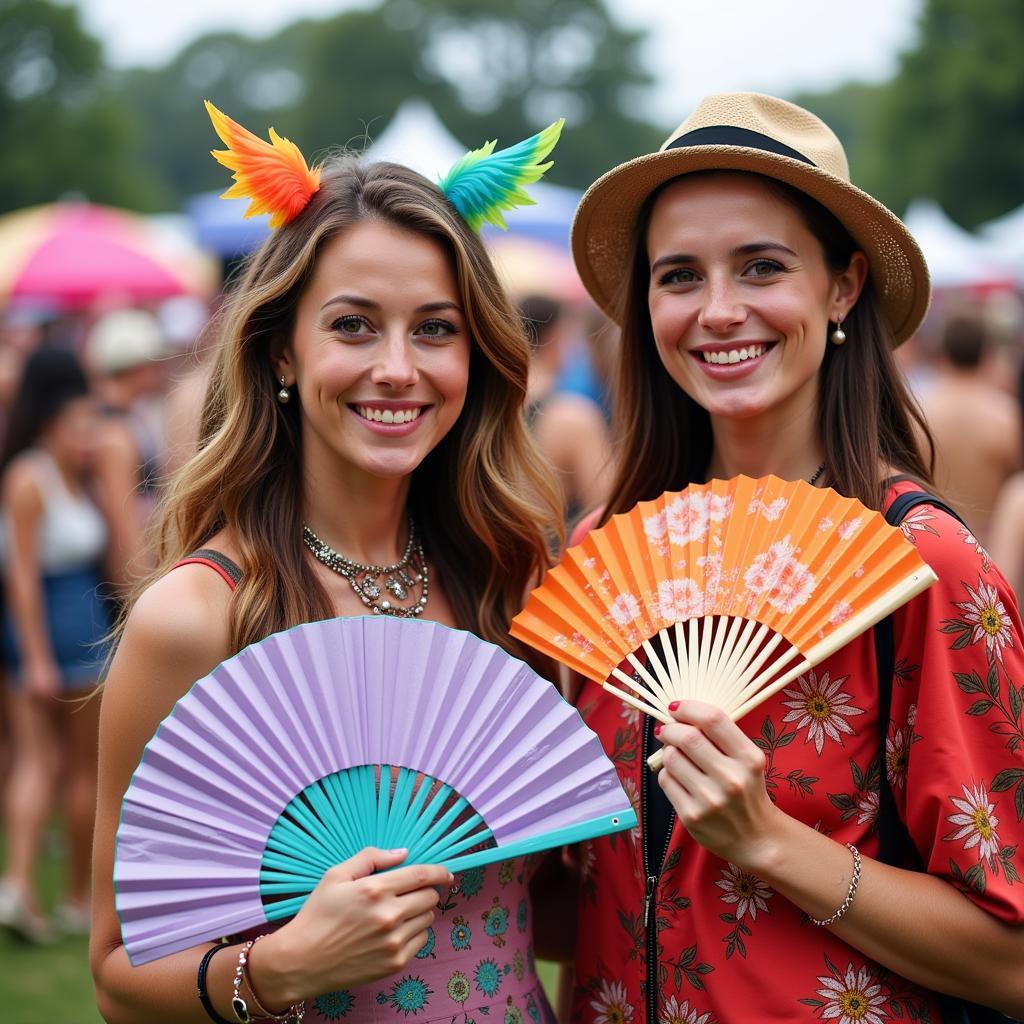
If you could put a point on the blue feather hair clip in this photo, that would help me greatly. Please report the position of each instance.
(483, 183)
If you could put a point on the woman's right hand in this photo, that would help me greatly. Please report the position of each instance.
(355, 927)
(41, 677)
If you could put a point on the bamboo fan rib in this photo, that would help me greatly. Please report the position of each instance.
(724, 592)
(319, 741)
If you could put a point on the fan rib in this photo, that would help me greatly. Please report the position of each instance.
(740, 655)
(664, 690)
(645, 706)
(894, 598)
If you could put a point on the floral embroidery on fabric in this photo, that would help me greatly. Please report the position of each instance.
(461, 934)
(458, 987)
(675, 1012)
(334, 1005)
(487, 977)
(771, 742)
(972, 541)
(496, 923)
(853, 997)
(612, 1005)
(471, 882)
(409, 995)
(863, 801)
(918, 520)
(986, 617)
(427, 949)
(820, 707)
(749, 894)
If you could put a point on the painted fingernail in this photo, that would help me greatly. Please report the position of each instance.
(673, 705)
(657, 729)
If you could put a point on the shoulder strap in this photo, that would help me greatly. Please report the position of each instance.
(220, 563)
(894, 843)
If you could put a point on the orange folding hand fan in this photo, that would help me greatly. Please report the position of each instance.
(746, 584)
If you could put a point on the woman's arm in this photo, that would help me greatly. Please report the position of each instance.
(355, 926)
(914, 923)
(24, 503)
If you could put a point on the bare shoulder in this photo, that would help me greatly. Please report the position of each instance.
(177, 631)
(21, 486)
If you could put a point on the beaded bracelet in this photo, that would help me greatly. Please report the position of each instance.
(850, 893)
(293, 1015)
(204, 996)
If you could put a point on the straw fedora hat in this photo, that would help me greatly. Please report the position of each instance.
(748, 131)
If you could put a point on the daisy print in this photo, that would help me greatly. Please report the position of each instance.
(918, 520)
(971, 541)
(986, 613)
(612, 1005)
(820, 706)
(853, 997)
(746, 891)
(675, 1012)
(976, 822)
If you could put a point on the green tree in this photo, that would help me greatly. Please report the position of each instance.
(517, 65)
(63, 131)
(950, 125)
(491, 69)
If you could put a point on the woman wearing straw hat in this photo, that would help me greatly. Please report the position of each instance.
(760, 295)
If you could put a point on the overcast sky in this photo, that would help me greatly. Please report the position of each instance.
(696, 46)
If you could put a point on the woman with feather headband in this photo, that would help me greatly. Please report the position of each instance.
(367, 399)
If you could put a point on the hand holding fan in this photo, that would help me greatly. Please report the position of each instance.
(321, 740)
(746, 584)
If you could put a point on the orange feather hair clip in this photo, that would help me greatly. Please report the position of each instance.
(273, 175)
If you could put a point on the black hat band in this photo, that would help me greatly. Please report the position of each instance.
(730, 135)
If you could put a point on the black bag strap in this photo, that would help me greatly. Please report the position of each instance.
(894, 843)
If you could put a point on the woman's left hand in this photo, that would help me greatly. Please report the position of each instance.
(714, 776)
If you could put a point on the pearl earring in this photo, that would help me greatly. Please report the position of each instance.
(284, 396)
(838, 336)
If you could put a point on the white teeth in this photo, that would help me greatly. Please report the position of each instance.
(388, 415)
(734, 355)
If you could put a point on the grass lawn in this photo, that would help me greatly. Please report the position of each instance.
(47, 986)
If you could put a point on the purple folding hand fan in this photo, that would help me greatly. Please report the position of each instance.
(323, 739)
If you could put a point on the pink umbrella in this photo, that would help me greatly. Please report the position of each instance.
(73, 254)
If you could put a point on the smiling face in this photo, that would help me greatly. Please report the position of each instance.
(740, 297)
(379, 354)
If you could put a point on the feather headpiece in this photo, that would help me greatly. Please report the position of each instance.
(483, 183)
(273, 175)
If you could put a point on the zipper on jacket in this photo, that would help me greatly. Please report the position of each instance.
(653, 876)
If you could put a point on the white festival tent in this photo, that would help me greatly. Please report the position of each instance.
(956, 258)
(1006, 236)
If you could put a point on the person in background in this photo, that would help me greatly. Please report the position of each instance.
(1006, 542)
(124, 351)
(54, 541)
(568, 426)
(975, 425)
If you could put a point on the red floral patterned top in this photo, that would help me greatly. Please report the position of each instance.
(728, 948)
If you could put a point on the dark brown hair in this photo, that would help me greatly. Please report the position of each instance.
(866, 415)
(484, 501)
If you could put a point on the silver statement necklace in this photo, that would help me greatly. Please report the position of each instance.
(401, 580)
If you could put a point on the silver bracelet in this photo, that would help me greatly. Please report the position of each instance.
(850, 893)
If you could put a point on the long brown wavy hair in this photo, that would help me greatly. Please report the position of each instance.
(866, 416)
(484, 501)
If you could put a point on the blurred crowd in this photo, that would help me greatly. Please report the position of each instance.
(98, 411)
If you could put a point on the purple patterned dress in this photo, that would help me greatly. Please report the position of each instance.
(476, 966)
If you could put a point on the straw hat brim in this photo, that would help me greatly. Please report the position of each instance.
(602, 230)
